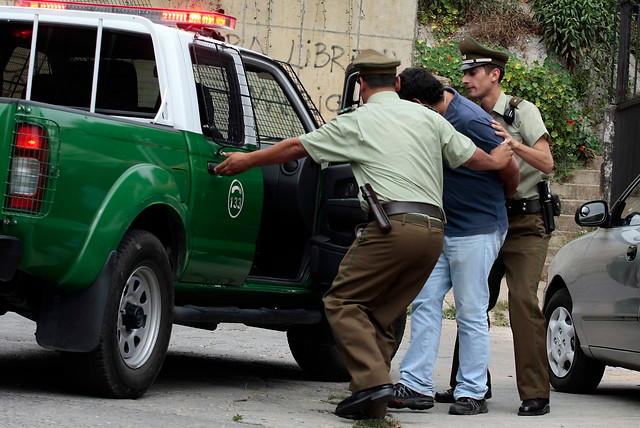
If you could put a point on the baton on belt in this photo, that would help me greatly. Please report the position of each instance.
(547, 206)
(376, 208)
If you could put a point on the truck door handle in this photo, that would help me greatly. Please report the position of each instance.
(211, 166)
(631, 252)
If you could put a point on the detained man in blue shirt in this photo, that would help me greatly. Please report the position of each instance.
(474, 205)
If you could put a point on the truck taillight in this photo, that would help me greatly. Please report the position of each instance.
(29, 165)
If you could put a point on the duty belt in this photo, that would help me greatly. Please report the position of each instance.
(392, 208)
(523, 206)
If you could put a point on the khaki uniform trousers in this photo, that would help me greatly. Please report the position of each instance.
(377, 280)
(521, 258)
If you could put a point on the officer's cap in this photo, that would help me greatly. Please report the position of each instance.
(474, 55)
(371, 61)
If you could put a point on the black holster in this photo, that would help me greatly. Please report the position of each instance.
(375, 208)
(550, 205)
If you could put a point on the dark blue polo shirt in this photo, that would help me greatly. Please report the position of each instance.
(473, 200)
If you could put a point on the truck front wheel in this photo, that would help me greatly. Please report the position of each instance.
(137, 322)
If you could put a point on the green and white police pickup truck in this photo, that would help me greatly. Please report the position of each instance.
(113, 224)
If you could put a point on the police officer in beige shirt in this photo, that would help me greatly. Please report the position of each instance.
(524, 251)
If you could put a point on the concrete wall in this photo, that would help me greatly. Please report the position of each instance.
(321, 37)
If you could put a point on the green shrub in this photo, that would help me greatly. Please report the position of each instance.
(574, 29)
(443, 16)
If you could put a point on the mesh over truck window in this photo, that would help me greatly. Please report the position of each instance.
(219, 97)
(275, 116)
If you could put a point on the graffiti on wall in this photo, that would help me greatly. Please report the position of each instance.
(319, 56)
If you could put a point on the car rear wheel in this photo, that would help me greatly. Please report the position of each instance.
(315, 350)
(570, 370)
(137, 322)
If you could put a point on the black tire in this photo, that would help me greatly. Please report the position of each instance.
(137, 323)
(570, 370)
(315, 350)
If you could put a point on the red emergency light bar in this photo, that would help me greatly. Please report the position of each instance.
(161, 16)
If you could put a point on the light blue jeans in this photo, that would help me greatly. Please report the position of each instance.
(464, 264)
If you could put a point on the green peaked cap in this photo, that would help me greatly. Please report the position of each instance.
(475, 55)
(371, 61)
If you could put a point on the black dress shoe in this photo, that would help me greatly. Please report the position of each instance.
(447, 396)
(534, 407)
(355, 406)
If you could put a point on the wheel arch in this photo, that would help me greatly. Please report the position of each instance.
(168, 226)
(143, 189)
(70, 317)
(553, 286)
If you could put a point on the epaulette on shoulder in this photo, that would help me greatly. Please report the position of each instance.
(348, 109)
(514, 101)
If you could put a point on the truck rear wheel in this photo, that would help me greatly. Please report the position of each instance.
(315, 350)
(137, 322)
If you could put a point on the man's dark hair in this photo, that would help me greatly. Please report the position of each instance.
(380, 80)
(489, 67)
(416, 82)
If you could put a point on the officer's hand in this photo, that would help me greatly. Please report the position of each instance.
(235, 163)
(502, 154)
(501, 132)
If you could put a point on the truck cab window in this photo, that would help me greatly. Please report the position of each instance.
(64, 68)
(127, 79)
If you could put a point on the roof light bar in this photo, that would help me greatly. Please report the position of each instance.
(161, 16)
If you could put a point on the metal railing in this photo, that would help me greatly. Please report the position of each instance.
(624, 76)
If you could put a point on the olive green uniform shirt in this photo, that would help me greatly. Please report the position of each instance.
(395, 145)
(527, 127)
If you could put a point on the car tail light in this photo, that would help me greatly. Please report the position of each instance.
(29, 169)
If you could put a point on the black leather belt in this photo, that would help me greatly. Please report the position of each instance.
(392, 208)
(523, 206)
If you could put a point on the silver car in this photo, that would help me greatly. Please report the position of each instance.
(592, 300)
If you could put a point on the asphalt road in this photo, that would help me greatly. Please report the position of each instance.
(239, 376)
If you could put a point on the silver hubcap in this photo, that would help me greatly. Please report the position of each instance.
(136, 340)
(561, 346)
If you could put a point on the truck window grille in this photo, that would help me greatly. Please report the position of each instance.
(315, 113)
(276, 118)
(223, 97)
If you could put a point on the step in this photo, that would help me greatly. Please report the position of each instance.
(566, 222)
(570, 206)
(582, 192)
(585, 176)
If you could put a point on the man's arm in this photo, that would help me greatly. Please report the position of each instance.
(498, 159)
(539, 156)
(510, 176)
(484, 136)
(239, 162)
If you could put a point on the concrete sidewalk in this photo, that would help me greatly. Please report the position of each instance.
(617, 399)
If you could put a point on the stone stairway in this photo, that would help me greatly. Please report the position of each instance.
(583, 186)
